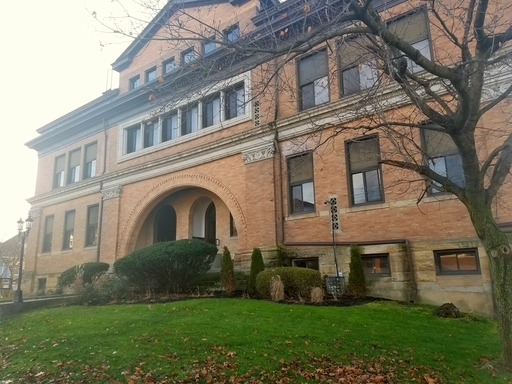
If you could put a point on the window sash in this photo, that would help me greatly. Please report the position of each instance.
(188, 56)
(60, 163)
(211, 111)
(150, 75)
(133, 139)
(90, 161)
(300, 175)
(69, 226)
(457, 262)
(235, 102)
(376, 265)
(364, 169)
(91, 236)
(47, 234)
(208, 47)
(190, 120)
(135, 82)
(150, 134)
(170, 127)
(74, 166)
(169, 65)
(232, 34)
(313, 67)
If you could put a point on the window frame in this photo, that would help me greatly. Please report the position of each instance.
(172, 136)
(89, 226)
(166, 62)
(134, 82)
(314, 260)
(209, 100)
(59, 178)
(363, 171)
(439, 253)
(229, 31)
(151, 133)
(373, 256)
(300, 86)
(184, 55)
(47, 237)
(148, 73)
(205, 44)
(292, 184)
(68, 234)
(233, 90)
(74, 172)
(85, 173)
(137, 144)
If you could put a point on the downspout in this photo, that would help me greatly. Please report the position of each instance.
(100, 213)
(278, 194)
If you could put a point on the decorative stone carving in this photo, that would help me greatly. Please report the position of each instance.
(34, 212)
(258, 154)
(111, 192)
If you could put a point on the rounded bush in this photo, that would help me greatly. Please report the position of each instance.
(168, 266)
(90, 272)
(298, 282)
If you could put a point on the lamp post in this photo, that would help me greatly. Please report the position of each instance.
(18, 294)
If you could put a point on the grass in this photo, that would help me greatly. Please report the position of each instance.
(237, 336)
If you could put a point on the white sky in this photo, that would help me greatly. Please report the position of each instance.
(51, 63)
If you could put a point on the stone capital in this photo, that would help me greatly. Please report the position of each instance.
(110, 193)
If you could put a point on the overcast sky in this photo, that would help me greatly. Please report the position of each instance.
(52, 63)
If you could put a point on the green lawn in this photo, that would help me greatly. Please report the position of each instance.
(211, 340)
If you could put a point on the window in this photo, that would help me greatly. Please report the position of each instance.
(91, 234)
(168, 65)
(41, 285)
(211, 110)
(58, 177)
(208, 46)
(187, 56)
(235, 101)
(376, 265)
(150, 75)
(90, 161)
(133, 139)
(151, 134)
(232, 226)
(232, 34)
(74, 166)
(413, 28)
(69, 228)
(364, 170)
(313, 80)
(358, 78)
(457, 262)
(302, 194)
(47, 234)
(170, 127)
(443, 157)
(189, 120)
(311, 263)
(135, 82)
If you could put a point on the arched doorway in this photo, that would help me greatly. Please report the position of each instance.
(210, 224)
(165, 224)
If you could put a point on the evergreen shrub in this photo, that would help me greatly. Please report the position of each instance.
(298, 282)
(257, 266)
(89, 273)
(356, 277)
(168, 266)
(227, 272)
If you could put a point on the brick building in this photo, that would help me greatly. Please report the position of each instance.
(197, 142)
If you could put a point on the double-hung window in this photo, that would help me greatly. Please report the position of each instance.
(170, 127)
(133, 139)
(74, 166)
(150, 75)
(91, 231)
(90, 161)
(302, 191)
(188, 56)
(58, 176)
(69, 228)
(47, 234)
(232, 33)
(168, 65)
(442, 157)
(151, 133)
(313, 80)
(235, 101)
(357, 65)
(135, 82)
(211, 110)
(413, 28)
(190, 119)
(364, 170)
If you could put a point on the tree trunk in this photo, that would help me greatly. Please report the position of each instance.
(497, 247)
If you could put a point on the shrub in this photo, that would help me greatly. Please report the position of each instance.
(256, 267)
(90, 295)
(115, 289)
(298, 282)
(87, 272)
(356, 276)
(168, 266)
(227, 272)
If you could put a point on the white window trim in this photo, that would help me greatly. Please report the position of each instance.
(196, 97)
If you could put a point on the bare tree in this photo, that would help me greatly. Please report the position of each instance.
(406, 94)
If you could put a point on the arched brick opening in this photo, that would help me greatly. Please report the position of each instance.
(131, 227)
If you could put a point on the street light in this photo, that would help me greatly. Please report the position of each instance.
(18, 295)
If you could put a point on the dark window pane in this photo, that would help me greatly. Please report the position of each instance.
(208, 47)
(373, 185)
(297, 198)
(351, 82)
(308, 96)
(189, 120)
(58, 179)
(235, 102)
(150, 134)
(211, 111)
(454, 170)
(150, 75)
(48, 234)
(90, 161)
(232, 33)
(133, 139)
(170, 128)
(134, 82)
(91, 236)
(74, 166)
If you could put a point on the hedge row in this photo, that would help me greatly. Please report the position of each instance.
(298, 282)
